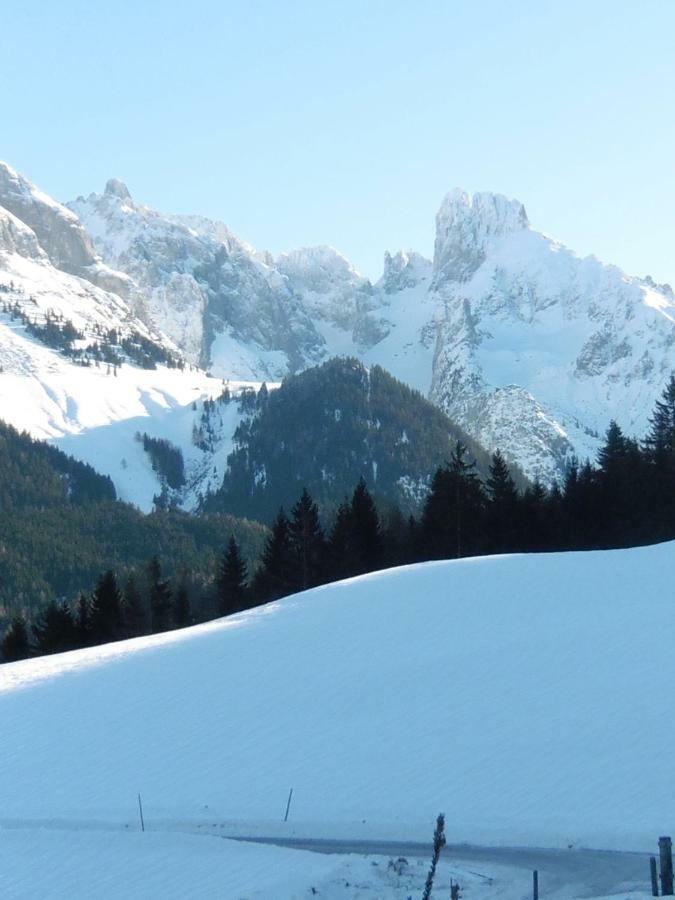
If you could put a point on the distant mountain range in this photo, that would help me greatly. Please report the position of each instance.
(117, 320)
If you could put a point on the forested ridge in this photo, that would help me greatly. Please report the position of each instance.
(329, 426)
(625, 499)
(60, 524)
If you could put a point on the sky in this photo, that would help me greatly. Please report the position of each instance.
(345, 123)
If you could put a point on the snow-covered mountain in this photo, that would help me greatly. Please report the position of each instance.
(530, 347)
(537, 348)
(78, 367)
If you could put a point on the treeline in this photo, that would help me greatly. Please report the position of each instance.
(148, 603)
(60, 524)
(627, 499)
(109, 346)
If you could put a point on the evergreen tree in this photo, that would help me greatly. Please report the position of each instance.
(275, 577)
(54, 629)
(307, 541)
(231, 588)
(339, 544)
(660, 439)
(83, 626)
(160, 598)
(134, 613)
(181, 607)
(502, 507)
(106, 610)
(365, 538)
(15, 644)
(453, 515)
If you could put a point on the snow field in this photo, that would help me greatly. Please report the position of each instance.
(517, 694)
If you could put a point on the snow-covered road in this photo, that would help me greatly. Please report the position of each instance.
(562, 873)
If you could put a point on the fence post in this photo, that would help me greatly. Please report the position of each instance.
(655, 880)
(140, 809)
(666, 859)
(288, 805)
(535, 885)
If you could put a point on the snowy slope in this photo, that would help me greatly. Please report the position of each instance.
(94, 411)
(519, 694)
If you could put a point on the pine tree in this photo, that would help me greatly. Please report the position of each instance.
(365, 537)
(453, 515)
(160, 598)
(660, 439)
(339, 544)
(307, 541)
(14, 644)
(275, 576)
(502, 506)
(182, 616)
(106, 610)
(134, 612)
(54, 629)
(231, 578)
(83, 625)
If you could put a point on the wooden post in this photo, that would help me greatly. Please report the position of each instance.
(666, 859)
(655, 880)
(288, 805)
(140, 809)
(535, 885)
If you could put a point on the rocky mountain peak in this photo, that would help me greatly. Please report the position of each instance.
(116, 188)
(404, 269)
(467, 227)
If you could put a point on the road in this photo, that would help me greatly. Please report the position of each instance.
(562, 873)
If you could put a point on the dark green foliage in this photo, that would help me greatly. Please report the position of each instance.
(502, 510)
(307, 542)
(182, 616)
(14, 644)
(167, 460)
(276, 575)
(134, 610)
(356, 543)
(54, 629)
(60, 525)
(326, 428)
(231, 580)
(105, 615)
(160, 597)
(365, 538)
(82, 617)
(453, 519)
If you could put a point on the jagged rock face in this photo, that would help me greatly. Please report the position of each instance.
(467, 228)
(538, 349)
(203, 287)
(17, 238)
(58, 232)
(403, 270)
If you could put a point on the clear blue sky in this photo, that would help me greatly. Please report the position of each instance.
(346, 122)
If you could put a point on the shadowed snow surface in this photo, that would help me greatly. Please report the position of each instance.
(519, 694)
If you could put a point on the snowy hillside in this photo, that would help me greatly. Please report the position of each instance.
(79, 368)
(519, 694)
